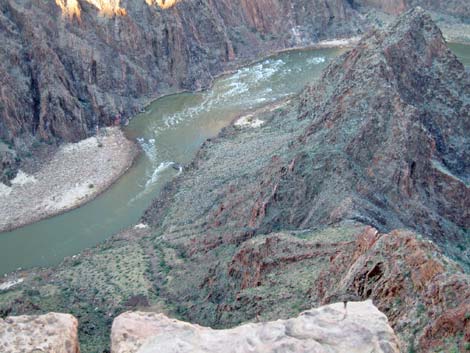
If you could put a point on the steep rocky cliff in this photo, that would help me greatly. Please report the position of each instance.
(381, 139)
(69, 65)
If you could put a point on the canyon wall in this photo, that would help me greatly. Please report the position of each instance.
(380, 139)
(68, 66)
(307, 209)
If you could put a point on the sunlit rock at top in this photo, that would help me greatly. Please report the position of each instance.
(69, 7)
(164, 4)
(109, 8)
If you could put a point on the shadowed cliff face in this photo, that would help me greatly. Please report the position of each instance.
(61, 75)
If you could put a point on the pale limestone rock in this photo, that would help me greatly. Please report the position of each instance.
(327, 329)
(51, 333)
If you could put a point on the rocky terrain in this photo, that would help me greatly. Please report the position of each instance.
(357, 188)
(53, 333)
(358, 328)
(361, 328)
(455, 8)
(381, 139)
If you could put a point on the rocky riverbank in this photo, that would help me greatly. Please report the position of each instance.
(71, 176)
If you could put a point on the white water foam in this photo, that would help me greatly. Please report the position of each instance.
(161, 167)
(232, 90)
(316, 60)
(148, 146)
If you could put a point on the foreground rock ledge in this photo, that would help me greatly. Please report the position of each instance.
(327, 329)
(51, 333)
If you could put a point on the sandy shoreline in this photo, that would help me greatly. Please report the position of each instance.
(76, 174)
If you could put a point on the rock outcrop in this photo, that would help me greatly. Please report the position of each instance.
(69, 65)
(381, 139)
(51, 333)
(358, 329)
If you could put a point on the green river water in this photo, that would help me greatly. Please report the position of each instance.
(171, 130)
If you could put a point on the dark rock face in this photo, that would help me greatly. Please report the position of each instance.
(61, 75)
(387, 141)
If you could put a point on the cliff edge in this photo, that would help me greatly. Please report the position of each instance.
(357, 329)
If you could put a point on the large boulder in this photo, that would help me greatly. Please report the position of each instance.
(360, 328)
(51, 333)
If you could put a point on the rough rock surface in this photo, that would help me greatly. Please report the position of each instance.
(69, 65)
(361, 328)
(9, 165)
(51, 333)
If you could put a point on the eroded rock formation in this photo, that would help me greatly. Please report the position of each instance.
(381, 139)
(63, 75)
(52, 333)
(358, 329)
(304, 209)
